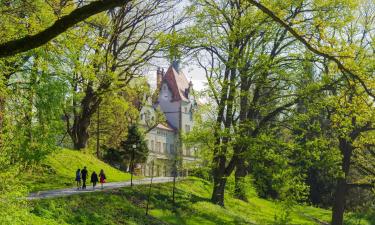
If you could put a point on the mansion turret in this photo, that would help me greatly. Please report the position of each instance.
(175, 100)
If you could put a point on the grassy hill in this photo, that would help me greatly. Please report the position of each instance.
(127, 206)
(58, 170)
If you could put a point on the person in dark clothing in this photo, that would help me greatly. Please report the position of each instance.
(94, 179)
(78, 178)
(84, 177)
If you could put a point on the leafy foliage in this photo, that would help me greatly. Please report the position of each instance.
(134, 138)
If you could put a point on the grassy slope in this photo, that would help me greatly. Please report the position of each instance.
(59, 169)
(126, 206)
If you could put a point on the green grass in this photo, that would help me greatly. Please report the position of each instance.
(59, 168)
(127, 206)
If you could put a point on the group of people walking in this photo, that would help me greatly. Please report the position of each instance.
(81, 175)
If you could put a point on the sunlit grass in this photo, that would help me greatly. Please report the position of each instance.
(58, 170)
(127, 206)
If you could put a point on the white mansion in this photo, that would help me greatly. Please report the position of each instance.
(176, 102)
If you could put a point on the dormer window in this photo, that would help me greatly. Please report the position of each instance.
(165, 92)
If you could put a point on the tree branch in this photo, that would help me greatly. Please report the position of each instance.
(61, 25)
(316, 51)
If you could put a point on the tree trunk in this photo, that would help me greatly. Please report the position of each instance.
(338, 208)
(339, 202)
(218, 190)
(80, 129)
(239, 190)
(82, 134)
(219, 178)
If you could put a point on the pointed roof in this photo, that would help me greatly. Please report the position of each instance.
(178, 84)
(165, 127)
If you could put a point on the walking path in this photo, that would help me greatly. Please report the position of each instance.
(107, 186)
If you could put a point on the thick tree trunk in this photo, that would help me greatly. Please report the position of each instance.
(82, 134)
(218, 190)
(338, 208)
(339, 202)
(240, 174)
(220, 173)
(79, 132)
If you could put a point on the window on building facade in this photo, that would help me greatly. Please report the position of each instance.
(158, 146)
(152, 146)
(187, 128)
(165, 92)
(171, 148)
(187, 151)
(164, 147)
(147, 115)
(185, 109)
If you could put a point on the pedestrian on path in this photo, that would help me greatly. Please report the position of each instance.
(102, 177)
(84, 177)
(78, 178)
(94, 179)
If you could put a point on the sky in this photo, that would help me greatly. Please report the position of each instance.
(190, 68)
(192, 72)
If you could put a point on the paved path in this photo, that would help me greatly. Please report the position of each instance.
(107, 186)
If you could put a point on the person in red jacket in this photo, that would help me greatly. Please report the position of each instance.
(102, 177)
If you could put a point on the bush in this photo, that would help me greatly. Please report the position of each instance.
(247, 186)
(201, 172)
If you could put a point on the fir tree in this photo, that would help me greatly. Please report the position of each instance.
(135, 137)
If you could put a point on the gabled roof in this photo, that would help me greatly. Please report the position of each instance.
(177, 83)
(165, 127)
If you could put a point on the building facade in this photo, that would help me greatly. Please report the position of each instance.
(176, 102)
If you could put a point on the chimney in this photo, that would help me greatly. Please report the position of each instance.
(159, 76)
(176, 65)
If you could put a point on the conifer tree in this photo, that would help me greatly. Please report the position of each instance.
(140, 152)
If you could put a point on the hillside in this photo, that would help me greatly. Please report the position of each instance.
(58, 170)
(127, 206)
